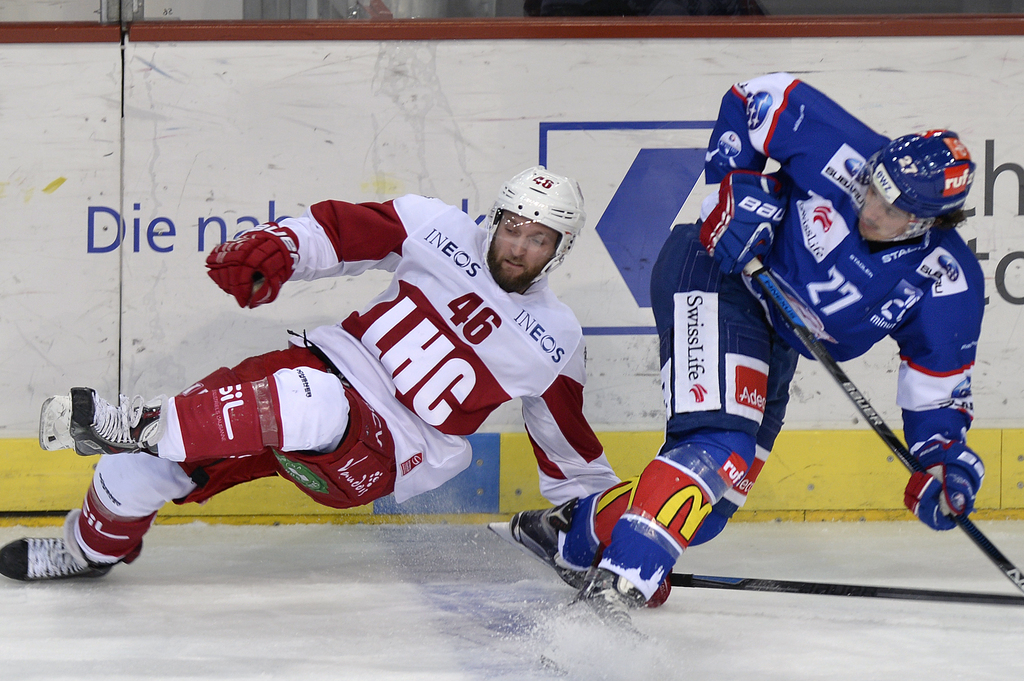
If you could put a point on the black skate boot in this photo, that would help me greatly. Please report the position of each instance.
(31, 560)
(84, 421)
(611, 596)
(536, 532)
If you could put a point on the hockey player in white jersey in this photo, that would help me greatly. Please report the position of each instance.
(379, 403)
(860, 230)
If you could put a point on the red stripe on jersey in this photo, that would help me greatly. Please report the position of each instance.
(543, 462)
(778, 114)
(564, 399)
(937, 374)
(360, 231)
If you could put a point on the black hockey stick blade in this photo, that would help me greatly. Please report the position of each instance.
(766, 280)
(825, 589)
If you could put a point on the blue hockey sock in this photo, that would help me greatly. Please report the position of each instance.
(640, 553)
(580, 543)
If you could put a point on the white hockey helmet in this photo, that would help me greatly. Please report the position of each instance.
(547, 198)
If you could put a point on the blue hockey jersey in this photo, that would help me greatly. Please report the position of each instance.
(927, 294)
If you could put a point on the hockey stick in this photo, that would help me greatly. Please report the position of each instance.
(826, 589)
(766, 280)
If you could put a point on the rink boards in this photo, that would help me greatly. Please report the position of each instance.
(812, 475)
(107, 220)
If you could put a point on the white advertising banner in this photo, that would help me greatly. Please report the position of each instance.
(60, 112)
(219, 136)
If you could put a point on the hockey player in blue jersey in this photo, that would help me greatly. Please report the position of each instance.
(860, 229)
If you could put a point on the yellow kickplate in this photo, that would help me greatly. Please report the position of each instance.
(811, 475)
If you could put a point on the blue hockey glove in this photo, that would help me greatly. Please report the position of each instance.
(948, 488)
(742, 225)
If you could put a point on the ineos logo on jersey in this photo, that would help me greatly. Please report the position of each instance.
(231, 397)
(538, 335)
(451, 250)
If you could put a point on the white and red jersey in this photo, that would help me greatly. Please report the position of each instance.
(444, 345)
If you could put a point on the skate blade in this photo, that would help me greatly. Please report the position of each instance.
(504, 530)
(55, 424)
(568, 575)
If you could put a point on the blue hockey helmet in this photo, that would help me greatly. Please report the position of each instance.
(926, 174)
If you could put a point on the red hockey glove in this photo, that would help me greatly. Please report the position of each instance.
(253, 267)
(948, 488)
(742, 225)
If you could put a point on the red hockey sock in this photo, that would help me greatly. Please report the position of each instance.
(609, 508)
(112, 537)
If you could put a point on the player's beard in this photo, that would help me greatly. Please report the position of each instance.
(509, 283)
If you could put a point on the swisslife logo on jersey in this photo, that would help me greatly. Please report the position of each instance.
(746, 386)
(821, 225)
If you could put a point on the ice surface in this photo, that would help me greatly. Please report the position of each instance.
(452, 602)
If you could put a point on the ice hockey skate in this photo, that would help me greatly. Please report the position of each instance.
(610, 596)
(31, 559)
(536, 533)
(90, 425)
